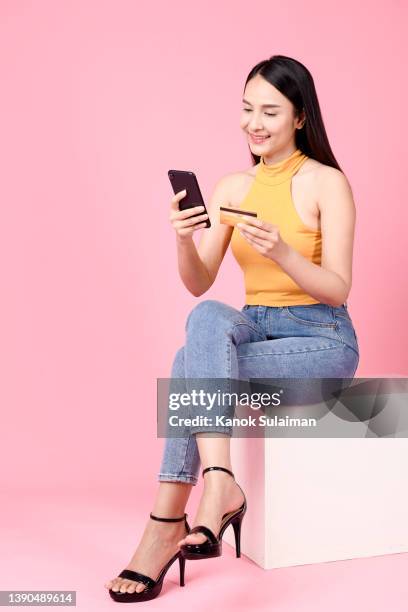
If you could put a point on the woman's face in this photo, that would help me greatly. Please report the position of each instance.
(268, 115)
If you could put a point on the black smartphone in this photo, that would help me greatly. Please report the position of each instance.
(184, 179)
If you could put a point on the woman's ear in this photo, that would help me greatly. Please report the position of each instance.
(301, 119)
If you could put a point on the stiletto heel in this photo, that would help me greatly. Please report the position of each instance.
(212, 547)
(236, 523)
(153, 587)
(182, 563)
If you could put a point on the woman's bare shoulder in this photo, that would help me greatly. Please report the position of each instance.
(322, 176)
(240, 175)
(320, 170)
(329, 177)
(235, 182)
(228, 188)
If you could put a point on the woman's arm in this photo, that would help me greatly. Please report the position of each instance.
(198, 267)
(329, 283)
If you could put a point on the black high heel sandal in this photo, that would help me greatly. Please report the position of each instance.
(153, 587)
(212, 547)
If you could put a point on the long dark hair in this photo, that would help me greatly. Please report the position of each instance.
(295, 82)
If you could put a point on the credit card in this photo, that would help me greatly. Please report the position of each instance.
(232, 216)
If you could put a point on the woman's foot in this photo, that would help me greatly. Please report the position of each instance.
(221, 494)
(156, 548)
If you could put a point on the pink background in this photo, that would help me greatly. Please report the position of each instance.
(99, 100)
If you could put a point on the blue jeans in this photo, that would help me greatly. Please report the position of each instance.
(312, 341)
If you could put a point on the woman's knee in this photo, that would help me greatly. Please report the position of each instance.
(210, 313)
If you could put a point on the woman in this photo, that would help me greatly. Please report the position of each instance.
(296, 256)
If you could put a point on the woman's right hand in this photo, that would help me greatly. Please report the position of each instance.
(184, 221)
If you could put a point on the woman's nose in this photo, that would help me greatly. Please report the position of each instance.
(255, 123)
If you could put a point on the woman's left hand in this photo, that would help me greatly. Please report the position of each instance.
(265, 238)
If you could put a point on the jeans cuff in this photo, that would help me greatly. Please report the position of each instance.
(189, 478)
(222, 430)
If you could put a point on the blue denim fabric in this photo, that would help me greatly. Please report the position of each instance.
(312, 341)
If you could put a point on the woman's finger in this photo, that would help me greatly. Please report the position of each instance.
(194, 220)
(253, 231)
(256, 240)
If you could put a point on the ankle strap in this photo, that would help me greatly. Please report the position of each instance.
(216, 467)
(169, 520)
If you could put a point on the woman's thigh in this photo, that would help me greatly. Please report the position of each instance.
(296, 357)
(310, 359)
(316, 341)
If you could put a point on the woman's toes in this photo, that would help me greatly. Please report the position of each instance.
(124, 586)
(194, 538)
(115, 585)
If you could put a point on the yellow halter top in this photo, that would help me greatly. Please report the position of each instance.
(266, 284)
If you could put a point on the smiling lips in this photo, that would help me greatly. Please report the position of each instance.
(257, 139)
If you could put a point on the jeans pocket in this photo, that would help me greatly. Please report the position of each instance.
(318, 315)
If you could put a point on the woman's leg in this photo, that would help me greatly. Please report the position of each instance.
(221, 493)
(159, 540)
(178, 474)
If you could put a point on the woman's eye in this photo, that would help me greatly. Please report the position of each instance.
(248, 110)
